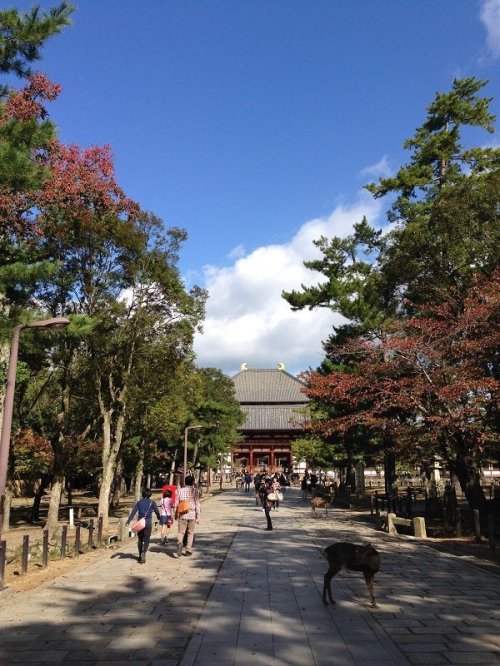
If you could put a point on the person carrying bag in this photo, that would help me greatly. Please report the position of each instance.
(144, 525)
(187, 511)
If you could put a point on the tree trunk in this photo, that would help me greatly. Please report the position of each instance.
(390, 472)
(194, 459)
(35, 509)
(55, 501)
(470, 483)
(69, 492)
(8, 495)
(139, 471)
(110, 450)
(117, 484)
(104, 494)
(172, 468)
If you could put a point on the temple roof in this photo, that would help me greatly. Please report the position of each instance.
(271, 399)
(273, 417)
(268, 387)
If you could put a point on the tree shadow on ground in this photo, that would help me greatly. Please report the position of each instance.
(146, 614)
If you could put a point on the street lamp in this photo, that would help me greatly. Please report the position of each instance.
(186, 431)
(56, 322)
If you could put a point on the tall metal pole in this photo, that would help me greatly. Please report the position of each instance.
(8, 406)
(184, 468)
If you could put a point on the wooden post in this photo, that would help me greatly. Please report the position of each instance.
(123, 530)
(419, 528)
(64, 540)
(372, 504)
(99, 530)
(477, 525)
(45, 549)
(25, 556)
(91, 533)
(77, 540)
(377, 510)
(391, 528)
(409, 506)
(491, 533)
(445, 522)
(3, 548)
(458, 524)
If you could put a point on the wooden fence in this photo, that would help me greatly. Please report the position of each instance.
(64, 547)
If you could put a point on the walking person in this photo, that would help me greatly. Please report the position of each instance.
(144, 509)
(266, 488)
(257, 480)
(303, 487)
(248, 481)
(276, 491)
(166, 516)
(186, 521)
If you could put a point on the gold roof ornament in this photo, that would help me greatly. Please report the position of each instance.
(244, 366)
(281, 366)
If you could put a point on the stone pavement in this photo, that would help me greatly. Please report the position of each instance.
(260, 603)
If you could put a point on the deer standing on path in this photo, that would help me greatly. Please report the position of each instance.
(318, 502)
(349, 556)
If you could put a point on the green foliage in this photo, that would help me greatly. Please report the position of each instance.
(32, 455)
(447, 224)
(218, 410)
(446, 233)
(438, 157)
(22, 35)
(315, 451)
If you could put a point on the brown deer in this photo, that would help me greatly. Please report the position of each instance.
(349, 556)
(319, 502)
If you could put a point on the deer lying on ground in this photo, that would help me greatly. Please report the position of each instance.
(319, 502)
(354, 558)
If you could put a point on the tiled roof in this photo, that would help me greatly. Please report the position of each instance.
(268, 387)
(273, 417)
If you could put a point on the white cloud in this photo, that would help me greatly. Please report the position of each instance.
(379, 170)
(237, 252)
(490, 17)
(248, 321)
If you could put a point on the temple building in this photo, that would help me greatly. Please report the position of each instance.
(274, 403)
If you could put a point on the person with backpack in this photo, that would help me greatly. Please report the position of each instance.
(187, 511)
(266, 489)
(256, 482)
(248, 481)
(144, 509)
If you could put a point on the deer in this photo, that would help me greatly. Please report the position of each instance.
(344, 555)
(318, 502)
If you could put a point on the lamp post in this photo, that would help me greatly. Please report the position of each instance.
(56, 322)
(186, 431)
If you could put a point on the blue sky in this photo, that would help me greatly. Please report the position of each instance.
(253, 124)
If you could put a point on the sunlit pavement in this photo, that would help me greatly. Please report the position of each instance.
(251, 597)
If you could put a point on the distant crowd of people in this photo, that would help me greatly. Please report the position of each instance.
(183, 504)
(268, 490)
